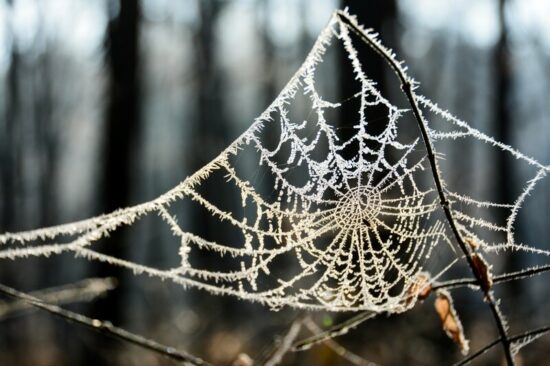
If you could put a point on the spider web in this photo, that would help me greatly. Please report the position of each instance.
(359, 222)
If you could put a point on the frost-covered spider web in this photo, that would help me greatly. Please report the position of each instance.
(353, 230)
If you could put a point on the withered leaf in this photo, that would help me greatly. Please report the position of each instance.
(483, 269)
(420, 289)
(472, 243)
(450, 321)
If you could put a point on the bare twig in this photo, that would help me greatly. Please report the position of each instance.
(505, 277)
(81, 291)
(104, 327)
(478, 353)
(335, 331)
(521, 274)
(532, 333)
(407, 87)
(336, 347)
(285, 344)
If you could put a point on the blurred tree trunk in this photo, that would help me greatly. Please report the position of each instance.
(210, 134)
(379, 15)
(502, 67)
(47, 141)
(503, 124)
(7, 145)
(502, 77)
(122, 125)
(268, 52)
(121, 133)
(211, 124)
(8, 171)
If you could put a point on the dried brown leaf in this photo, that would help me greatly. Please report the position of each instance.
(483, 269)
(420, 289)
(472, 243)
(450, 321)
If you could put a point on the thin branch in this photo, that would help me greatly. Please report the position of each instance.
(407, 87)
(285, 344)
(104, 327)
(461, 282)
(521, 274)
(336, 347)
(532, 333)
(478, 353)
(81, 291)
(505, 277)
(335, 331)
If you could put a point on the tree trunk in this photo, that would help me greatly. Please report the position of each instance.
(507, 176)
(379, 15)
(121, 133)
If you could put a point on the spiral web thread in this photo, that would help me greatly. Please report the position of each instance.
(361, 229)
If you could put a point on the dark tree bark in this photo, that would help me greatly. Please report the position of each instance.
(502, 77)
(121, 133)
(48, 143)
(122, 125)
(7, 145)
(268, 51)
(379, 15)
(210, 128)
(8, 173)
(503, 124)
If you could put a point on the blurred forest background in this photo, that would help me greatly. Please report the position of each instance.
(108, 103)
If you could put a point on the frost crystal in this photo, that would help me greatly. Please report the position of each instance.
(360, 228)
